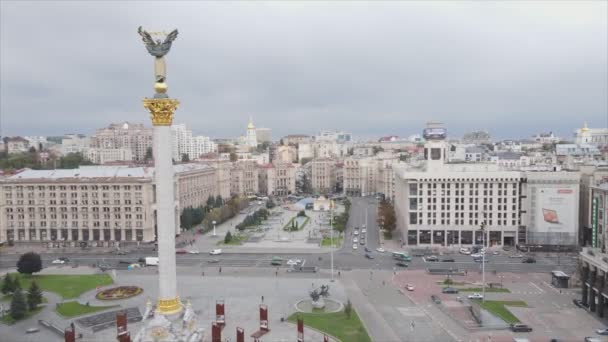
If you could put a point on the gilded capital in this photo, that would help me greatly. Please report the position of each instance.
(169, 306)
(161, 110)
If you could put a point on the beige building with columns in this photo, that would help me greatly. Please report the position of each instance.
(323, 175)
(98, 205)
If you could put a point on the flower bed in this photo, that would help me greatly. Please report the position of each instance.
(121, 292)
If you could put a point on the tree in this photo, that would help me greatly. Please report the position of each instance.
(18, 305)
(187, 219)
(34, 296)
(270, 204)
(218, 201)
(73, 161)
(348, 308)
(377, 149)
(8, 285)
(228, 237)
(211, 202)
(185, 158)
(29, 263)
(149, 154)
(386, 218)
(302, 213)
(233, 157)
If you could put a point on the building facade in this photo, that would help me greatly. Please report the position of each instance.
(127, 135)
(244, 178)
(323, 175)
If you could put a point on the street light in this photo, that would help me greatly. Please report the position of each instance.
(483, 261)
(331, 238)
(214, 228)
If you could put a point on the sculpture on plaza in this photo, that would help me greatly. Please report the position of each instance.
(317, 296)
(158, 49)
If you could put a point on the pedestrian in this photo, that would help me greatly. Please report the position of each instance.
(203, 274)
(262, 299)
(466, 272)
(338, 274)
(412, 326)
(220, 269)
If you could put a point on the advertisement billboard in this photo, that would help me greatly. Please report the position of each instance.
(556, 210)
(434, 133)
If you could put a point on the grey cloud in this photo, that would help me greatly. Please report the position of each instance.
(370, 68)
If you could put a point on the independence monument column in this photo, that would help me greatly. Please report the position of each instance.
(161, 108)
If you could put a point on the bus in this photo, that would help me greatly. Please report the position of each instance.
(402, 256)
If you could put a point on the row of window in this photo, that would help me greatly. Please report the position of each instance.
(19, 188)
(75, 224)
(72, 209)
(75, 235)
(32, 217)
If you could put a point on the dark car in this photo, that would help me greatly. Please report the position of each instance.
(435, 299)
(432, 258)
(64, 259)
(368, 250)
(520, 328)
(181, 251)
(369, 256)
(447, 260)
(402, 264)
(578, 303)
(362, 242)
(449, 290)
(529, 261)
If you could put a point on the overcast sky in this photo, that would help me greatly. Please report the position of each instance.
(512, 68)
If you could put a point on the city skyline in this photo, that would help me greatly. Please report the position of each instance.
(277, 62)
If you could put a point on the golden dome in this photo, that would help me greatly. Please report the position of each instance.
(585, 128)
(250, 125)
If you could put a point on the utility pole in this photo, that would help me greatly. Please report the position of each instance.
(483, 263)
(331, 233)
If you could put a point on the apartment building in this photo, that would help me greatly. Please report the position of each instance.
(195, 183)
(244, 178)
(278, 179)
(127, 135)
(323, 175)
(107, 155)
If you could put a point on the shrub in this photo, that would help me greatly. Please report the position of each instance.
(228, 237)
(302, 213)
(34, 296)
(8, 286)
(348, 308)
(18, 305)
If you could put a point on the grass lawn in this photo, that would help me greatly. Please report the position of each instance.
(326, 242)
(67, 286)
(488, 289)
(453, 283)
(73, 309)
(336, 324)
(289, 228)
(498, 308)
(7, 319)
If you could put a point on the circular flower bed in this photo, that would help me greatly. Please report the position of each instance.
(120, 292)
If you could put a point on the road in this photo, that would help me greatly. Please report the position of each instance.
(345, 258)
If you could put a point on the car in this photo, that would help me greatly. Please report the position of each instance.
(409, 287)
(602, 332)
(402, 264)
(213, 261)
(356, 232)
(528, 260)
(516, 256)
(431, 258)
(120, 252)
(215, 252)
(486, 260)
(194, 251)
(363, 230)
(593, 339)
(449, 290)
(32, 330)
(181, 251)
(578, 302)
(380, 250)
(448, 259)
(276, 261)
(362, 242)
(368, 250)
(369, 256)
(518, 327)
(293, 262)
(435, 299)
(355, 240)
(506, 248)
(355, 246)
(465, 251)
(58, 261)
(495, 253)
(475, 296)
(476, 255)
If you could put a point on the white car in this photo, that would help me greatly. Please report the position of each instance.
(465, 251)
(496, 253)
(215, 252)
(355, 240)
(355, 246)
(58, 261)
(294, 262)
(409, 287)
(516, 256)
(475, 296)
(380, 250)
(193, 252)
(477, 255)
(363, 230)
(356, 232)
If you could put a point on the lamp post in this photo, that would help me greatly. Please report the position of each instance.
(214, 228)
(331, 233)
(483, 262)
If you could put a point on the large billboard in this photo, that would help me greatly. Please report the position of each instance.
(556, 210)
(434, 133)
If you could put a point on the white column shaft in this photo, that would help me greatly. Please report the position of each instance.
(165, 212)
